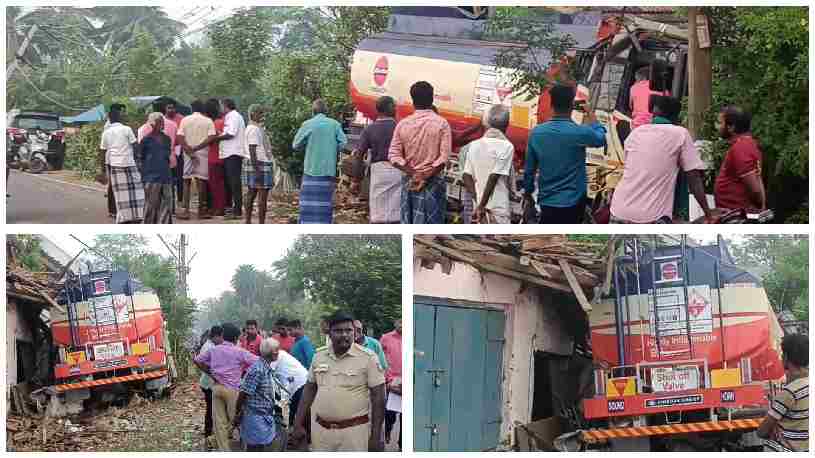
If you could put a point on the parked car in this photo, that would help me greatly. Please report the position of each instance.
(47, 126)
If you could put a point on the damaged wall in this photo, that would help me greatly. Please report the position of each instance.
(531, 324)
(16, 329)
(464, 283)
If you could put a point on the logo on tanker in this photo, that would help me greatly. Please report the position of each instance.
(697, 304)
(670, 271)
(381, 71)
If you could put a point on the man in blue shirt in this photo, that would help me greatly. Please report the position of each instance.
(323, 139)
(557, 153)
(370, 343)
(303, 351)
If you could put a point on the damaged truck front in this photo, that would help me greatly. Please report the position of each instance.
(110, 342)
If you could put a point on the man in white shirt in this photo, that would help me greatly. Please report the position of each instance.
(258, 170)
(118, 144)
(104, 175)
(194, 130)
(488, 167)
(233, 153)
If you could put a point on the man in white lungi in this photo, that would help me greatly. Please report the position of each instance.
(386, 180)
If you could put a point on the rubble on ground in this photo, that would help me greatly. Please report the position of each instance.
(170, 424)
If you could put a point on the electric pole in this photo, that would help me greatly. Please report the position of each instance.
(178, 251)
(700, 70)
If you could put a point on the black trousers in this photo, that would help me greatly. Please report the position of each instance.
(293, 406)
(564, 215)
(178, 177)
(208, 414)
(233, 166)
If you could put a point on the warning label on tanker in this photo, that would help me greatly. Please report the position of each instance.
(674, 401)
(491, 89)
(669, 316)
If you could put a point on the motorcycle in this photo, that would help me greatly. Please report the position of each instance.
(27, 150)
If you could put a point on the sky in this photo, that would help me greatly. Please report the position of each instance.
(217, 256)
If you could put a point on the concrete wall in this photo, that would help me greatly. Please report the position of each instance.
(531, 323)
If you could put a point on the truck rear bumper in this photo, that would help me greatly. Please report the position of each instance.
(109, 381)
(596, 435)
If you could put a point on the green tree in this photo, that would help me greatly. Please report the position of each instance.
(358, 273)
(147, 74)
(784, 261)
(529, 66)
(775, 40)
(242, 45)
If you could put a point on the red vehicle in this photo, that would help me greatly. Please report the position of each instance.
(449, 53)
(703, 360)
(109, 334)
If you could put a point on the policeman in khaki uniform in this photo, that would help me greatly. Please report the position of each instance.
(346, 394)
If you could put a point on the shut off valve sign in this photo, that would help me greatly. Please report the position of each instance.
(670, 309)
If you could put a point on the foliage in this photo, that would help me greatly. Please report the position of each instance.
(774, 40)
(531, 66)
(82, 149)
(257, 295)
(28, 251)
(242, 48)
(146, 76)
(361, 274)
(785, 262)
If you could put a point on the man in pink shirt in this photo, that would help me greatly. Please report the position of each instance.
(638, 99)
(225, 363)
(654, 155)
(420, 146)
(392, 347)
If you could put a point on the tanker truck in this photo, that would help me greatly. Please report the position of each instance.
(110, 340)
(445, 46)
(686, 352)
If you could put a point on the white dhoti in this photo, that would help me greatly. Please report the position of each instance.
(385, 194)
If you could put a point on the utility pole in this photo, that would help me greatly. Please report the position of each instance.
(178, 251)
(700, 70)
(20, 52)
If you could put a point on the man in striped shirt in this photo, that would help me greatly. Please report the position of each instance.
(786, 427)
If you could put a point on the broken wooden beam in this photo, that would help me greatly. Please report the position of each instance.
(578, 290)
(456, 255)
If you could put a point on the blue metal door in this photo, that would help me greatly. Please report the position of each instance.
(457, 377)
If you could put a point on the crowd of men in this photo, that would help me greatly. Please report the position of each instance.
(278, 392)
(217, 150)
(213, 152)
(408, 158)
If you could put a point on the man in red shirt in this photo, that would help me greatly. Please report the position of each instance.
(251, 340)
(281, 333)
(739, 182)
(392, 347)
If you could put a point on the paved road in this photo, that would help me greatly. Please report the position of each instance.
(38, 199)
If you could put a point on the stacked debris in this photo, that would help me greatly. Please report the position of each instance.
(37, 286)
(551, 261)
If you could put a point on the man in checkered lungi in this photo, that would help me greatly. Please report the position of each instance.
(258, 171)
(119, 143)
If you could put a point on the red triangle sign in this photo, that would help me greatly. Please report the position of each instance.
(620, 384)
